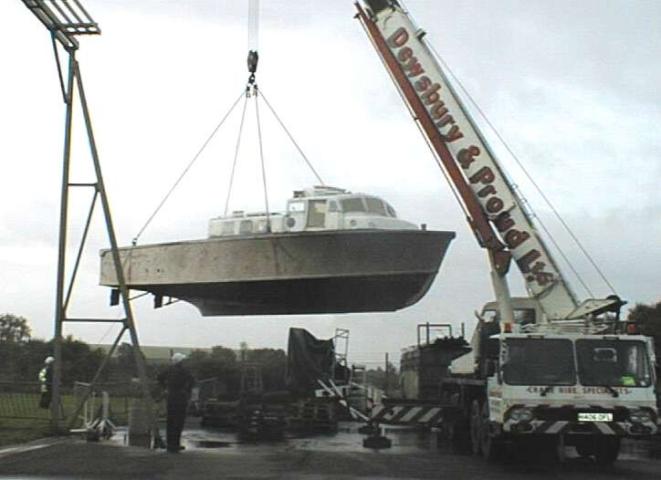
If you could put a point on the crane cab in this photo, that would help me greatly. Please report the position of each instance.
(527, 311)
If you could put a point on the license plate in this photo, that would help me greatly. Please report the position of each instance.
(595, 417)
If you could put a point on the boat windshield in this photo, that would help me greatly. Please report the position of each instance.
(619, 363)
(539, 361)
(376, 207)
(391, 211)
(352, 204)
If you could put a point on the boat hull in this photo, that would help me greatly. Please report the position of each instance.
(288, 273)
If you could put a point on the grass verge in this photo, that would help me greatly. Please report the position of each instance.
(15, 431)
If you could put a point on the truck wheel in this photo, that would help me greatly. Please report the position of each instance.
(551, 449)
(476, 427)
(606, 450)
(584, 449)
(458, 435)
(492, 448)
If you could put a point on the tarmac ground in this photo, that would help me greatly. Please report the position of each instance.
(217, 454)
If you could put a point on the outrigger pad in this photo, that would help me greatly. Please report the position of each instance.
(377, 442)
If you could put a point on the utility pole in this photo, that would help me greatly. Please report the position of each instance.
(387, 381)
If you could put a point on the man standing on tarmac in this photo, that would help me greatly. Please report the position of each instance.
(179, 382)
(46, 382)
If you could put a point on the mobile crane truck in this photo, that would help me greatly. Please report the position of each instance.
(545, 370)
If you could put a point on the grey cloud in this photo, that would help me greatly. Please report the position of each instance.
(573, 87)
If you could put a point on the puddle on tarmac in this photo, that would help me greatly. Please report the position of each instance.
(345, 438)
(209, 444)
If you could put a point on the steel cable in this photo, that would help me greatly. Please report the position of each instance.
(261, 157)
(536, 186)
(277, 117)
(188, 167)
(236, 154)
(453, 187)
(253, 24)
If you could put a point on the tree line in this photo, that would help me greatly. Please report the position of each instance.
(21, 357)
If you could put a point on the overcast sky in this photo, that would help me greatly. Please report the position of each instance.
(573, 87)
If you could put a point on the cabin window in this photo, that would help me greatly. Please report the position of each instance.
(316, 213)
(227, 228)
(539, 361)
(352, 205)
(391, 211)
(245, 227)
(332, 207)
(375, 206)
(490, 316)
(261, 226)
(522, 316)
(296, 206)
(616, 363)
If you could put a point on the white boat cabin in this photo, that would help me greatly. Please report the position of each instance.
(315, 209)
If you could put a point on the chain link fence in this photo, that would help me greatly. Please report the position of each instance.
(20, 400)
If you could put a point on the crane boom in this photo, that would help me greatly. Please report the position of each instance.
(496, 212)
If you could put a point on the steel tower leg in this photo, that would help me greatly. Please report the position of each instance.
(61, 259)
(119, 270)
(75, 81)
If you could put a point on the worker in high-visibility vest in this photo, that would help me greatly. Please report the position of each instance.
(46, 382)
(179, 382)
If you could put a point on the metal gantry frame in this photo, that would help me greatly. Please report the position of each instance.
(341, 343)
(66, 19)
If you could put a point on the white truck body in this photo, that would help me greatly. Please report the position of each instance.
(603, 384)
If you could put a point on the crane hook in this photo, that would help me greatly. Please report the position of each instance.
(253, 59)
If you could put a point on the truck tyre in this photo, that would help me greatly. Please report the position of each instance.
(492, 448)
(476, 427)
(606, 450)
(458, 435)
(584, 449)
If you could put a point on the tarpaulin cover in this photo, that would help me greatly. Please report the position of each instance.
(308, 359)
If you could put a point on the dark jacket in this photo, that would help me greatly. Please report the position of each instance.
(178, 382)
